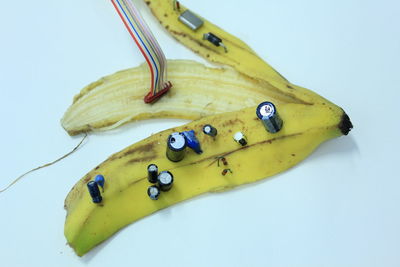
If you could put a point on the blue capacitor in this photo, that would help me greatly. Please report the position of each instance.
(192, 141)
(94, 192)
(267, 113)
(99, 179)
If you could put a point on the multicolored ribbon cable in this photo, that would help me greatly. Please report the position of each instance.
(149, 47)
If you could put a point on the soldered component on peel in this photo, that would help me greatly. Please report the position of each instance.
(176, 5)
(240, 138)
(153, 192)
(210, 130)
(267, 113)
(225, 171)
(94, 192)
(192, 141)
(191, 20)
(215, 40)
(152, 173)
(176, 145)
(165, 180)
(99, 179)
(224, 161)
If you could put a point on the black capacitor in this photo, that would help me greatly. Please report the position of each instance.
(153, 192)
(94, 192)
(210, 130)
(152, 173)
(270, 118)
(176, 145)
(165, 180)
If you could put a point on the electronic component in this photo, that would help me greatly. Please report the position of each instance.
(209, 130)
(215, 40)
(176, 145)
(99, 179)
(192, 141)
(176, 5)
(152, 173)
(153, 192)
(240, 138)
(267, 113)
(148, 46)
(165, 180)
(191, 20)
(225, 171)
(94, 192)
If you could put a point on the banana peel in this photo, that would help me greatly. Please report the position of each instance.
(198, 91)
(125, 198)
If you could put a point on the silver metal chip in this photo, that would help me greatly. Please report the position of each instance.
(191, 20)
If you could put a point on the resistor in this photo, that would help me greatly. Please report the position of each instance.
(225, 171)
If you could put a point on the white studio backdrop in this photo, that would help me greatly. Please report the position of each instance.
(340, 207)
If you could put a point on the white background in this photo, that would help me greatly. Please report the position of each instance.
(340, 207)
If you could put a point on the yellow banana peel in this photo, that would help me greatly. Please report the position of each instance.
(198, 93)
(125, 198)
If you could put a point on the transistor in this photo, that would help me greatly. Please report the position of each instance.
(165, 180)
(94, 192)
(191, 20)
(212, 38)
(270, 118)
(210, 130)
(240, 138)
(152, 173)
(153, 192)
(176, 145)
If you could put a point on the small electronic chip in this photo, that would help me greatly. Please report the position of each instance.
(191, 20)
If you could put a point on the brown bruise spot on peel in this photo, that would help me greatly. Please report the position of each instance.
(142, 159)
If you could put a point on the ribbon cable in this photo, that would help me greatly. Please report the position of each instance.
(149, 47)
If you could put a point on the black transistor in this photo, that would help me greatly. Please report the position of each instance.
(215, 40)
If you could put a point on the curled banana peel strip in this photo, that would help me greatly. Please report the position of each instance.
(125, 198)
(198, 91)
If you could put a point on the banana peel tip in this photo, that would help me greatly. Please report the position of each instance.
(345, 124)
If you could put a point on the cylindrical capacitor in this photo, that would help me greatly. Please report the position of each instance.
(94, 192)
(152, 173)
(165, 180)
(176, 145)
(209, 130)
(154, 192)
(267, 113)
(240, 138)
